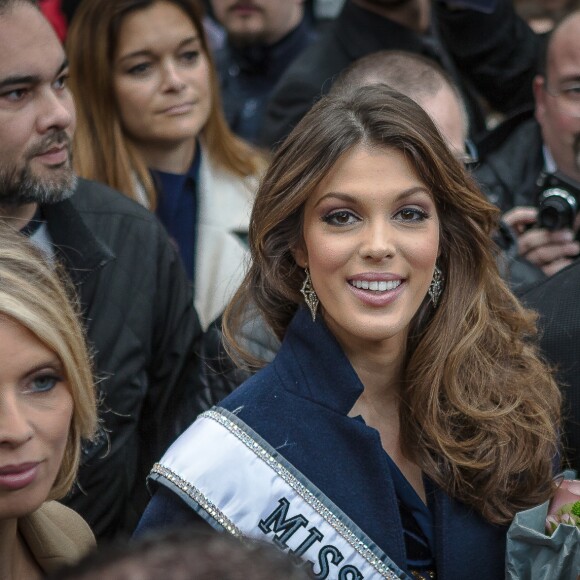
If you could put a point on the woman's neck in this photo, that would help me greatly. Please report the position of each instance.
(379, 366)
(380, 370)
(16, 562)
(170, 159)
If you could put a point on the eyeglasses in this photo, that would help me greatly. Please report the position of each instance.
(567, 97)
(469, 157)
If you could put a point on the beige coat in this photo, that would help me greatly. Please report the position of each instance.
(225, 204)
(56, 536)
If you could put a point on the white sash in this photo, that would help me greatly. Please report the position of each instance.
(237, 482)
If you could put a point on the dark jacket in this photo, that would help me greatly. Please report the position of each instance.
(299, 405)
(499, 58)
(510, 162)
(248, 75)
(138, 310)
(556, 300)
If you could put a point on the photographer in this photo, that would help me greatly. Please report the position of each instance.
(530, 155)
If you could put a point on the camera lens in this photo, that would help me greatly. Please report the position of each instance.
(556, 209)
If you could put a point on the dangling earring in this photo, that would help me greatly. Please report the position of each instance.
(309, 294)
(436, 286)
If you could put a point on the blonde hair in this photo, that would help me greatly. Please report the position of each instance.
(38, 298)
(480, 411)
(102, 150)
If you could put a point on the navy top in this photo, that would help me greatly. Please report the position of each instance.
(177, 208)
(416, 519)
(299, 404)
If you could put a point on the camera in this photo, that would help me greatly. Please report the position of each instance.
(558, 200)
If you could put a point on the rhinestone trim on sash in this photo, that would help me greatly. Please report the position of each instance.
(199, 497)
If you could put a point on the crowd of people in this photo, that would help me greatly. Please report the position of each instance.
(303, 273)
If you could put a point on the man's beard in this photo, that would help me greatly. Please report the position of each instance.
(20, 185)
(242, 40)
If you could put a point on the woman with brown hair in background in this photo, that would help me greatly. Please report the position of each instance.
(150, 124)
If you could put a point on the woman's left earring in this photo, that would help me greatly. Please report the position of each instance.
(436, 286)
(309, 294)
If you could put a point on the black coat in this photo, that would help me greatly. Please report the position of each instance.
(138, 310)
(556, 300)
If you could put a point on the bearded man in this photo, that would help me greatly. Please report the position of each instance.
(134, 296)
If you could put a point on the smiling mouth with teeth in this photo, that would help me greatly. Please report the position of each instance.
(376, 286)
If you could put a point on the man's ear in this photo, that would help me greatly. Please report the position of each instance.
(540, 97)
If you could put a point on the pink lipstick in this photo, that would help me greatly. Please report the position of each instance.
(14, 477)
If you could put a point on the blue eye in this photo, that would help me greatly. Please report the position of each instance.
(190, 56)
(412, 214)
(340, 218)
(139, 69)
(44, 383)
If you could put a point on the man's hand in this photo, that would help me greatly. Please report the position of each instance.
(549, 250)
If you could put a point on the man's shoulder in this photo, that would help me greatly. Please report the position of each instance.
(511, 159)
(307, 78)
(559, 291)
(556, 302)
(320, 61)
(509, 136)
(97, 198)
(97, 222)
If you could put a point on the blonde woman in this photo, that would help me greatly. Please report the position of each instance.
(47, 404)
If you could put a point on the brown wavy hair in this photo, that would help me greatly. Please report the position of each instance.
(102, 150)
(480, 411)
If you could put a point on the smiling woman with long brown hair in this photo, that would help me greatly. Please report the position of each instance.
(407, 416)
(150, 124)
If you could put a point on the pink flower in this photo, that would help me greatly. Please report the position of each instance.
(568, 492)
(565, 506)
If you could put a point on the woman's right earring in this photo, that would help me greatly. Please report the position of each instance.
(309, 294)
